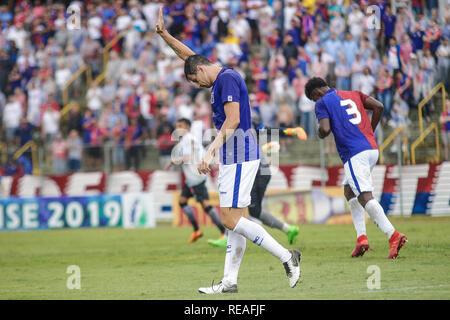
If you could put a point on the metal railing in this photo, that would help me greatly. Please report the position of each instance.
(433, 127)
(106, 51)
(65, 90)
(34, 155)
(439, 86)
(85, 68)
(392, 136)
(4, 151)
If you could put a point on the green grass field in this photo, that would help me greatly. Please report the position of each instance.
(159, 264)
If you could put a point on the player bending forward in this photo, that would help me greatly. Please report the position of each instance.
(255, 209)
(189, 151)
(239, 162)
(344, 114)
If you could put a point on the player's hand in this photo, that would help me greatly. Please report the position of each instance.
(204, 166)
(160, 24)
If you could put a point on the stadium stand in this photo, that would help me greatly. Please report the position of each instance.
(111, 86)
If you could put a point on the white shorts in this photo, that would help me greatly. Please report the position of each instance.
(358, 171)
(235, 182)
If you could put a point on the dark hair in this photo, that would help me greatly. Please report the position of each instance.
(185, 121)
(191, 63)
(312, 84)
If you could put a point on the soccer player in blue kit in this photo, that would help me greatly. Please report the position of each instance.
(239, 162)
(344, 114)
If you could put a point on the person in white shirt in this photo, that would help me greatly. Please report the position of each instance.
(36, 97)
(150, 11)
(189, 152)
(94, 98)
(366, 82)
(50, 124)
(123, 20)
(62, 75)
(11, 117)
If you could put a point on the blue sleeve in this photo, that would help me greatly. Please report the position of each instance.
(229, 89)
(321, 110)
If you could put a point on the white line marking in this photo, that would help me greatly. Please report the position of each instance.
(404, 289)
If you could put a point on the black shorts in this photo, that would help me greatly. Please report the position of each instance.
(257, 193)
(199, 192)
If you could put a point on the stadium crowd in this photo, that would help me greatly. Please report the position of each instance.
(397, 55)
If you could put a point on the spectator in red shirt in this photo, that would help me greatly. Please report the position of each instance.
(59, 155)
(95, 150)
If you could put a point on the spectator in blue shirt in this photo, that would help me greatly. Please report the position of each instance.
(417, 37)
(389, 21)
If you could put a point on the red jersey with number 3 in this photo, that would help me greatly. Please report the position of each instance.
(349, 121)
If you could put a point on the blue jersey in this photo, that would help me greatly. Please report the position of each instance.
(242, 146)
(349, 121)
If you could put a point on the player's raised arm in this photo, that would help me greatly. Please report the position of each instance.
(177, 46)
(377, 110)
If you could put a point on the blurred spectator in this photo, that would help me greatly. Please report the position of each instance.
(118, 152)
(75, 118)
(50, 122)
(403, 85)
(11, 167)
(388, 20)
(342, 72)
(394, 57)
(400, 110)
(59, 155)
(356, 69)
(74, 150)
(355, 22)
(165, 143)
(384, 86)
(36, 98)
(94, 98)
(94, 148)
(443, 67)
(432, 37)
(11, 117)
(144, 79)
(133, 138)
(444, 120)
(285, 118)
(367, 82)
(91, 52)
(24, 132)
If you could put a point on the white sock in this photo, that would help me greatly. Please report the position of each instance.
(357, 212)
(236, 245)
(258, 235)
(376, 212)
(285, 227)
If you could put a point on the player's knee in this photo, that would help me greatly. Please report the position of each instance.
(229, 218)
(348, 193)
(207, 208)
(365, 197)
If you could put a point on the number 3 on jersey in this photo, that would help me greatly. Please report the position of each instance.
(353, 109)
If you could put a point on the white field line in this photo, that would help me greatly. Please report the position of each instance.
(404, 289)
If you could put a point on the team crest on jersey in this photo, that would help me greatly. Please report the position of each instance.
(212, 97)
